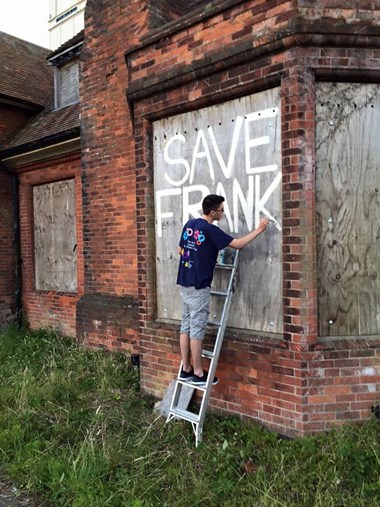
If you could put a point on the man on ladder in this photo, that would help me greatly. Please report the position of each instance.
(199, 245)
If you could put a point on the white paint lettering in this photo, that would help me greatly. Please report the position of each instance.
(194, 209)
(159, 213)
(227, 212)
(197, 154)
(176, 161)
(227, 169)
(258, 141)
(246, 203)
(260, 201)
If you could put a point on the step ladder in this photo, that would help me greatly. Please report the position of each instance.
(175, 412)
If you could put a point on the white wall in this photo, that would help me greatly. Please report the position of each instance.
(63, 24)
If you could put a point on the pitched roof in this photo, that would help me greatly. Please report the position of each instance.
(77, 39)
(24, 73)
(43, 128)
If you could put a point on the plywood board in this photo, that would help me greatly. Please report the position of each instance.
(232, 149)
(348, 208)
(55, 236)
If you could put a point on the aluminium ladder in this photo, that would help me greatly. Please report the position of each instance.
(175, 412)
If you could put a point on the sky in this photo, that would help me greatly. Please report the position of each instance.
(26, 19)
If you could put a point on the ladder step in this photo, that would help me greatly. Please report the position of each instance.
(184, 382)
(189, 384)
(185, 414)
(219, 293)
(207, 353)
(213, 324)
(224, 266)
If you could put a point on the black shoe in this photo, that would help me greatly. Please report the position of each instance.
(201, 381)
(186, 375)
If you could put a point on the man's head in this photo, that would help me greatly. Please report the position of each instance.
(212, 205)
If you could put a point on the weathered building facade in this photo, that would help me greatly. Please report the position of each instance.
(41, 248)
(275, 104)
(21, 65)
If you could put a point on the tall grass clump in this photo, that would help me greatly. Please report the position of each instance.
(76, 431)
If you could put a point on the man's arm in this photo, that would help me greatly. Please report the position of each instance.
(240, 243)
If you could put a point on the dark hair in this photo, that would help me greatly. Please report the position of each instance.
(211, 203)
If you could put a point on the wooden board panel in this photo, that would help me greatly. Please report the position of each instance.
(232, 149)
(348, 208)
(67, 84)
(55, 236)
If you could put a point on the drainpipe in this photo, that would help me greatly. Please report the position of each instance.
(17, 243)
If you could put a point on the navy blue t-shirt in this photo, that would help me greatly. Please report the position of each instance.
(200, 243)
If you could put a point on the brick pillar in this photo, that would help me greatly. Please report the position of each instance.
(7, 250)
(108, 312)
(299, 228)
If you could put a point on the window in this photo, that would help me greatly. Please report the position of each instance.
(348, 208)
(233, 149)
(55, 236)
(67, 84)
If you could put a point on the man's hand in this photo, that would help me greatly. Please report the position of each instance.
(240, 243)
(262, 225)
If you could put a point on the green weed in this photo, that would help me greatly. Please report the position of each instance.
(75, 431)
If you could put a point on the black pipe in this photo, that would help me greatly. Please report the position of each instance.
(17, 243)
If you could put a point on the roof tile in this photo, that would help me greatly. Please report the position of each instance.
(24, 74)
(46, 124)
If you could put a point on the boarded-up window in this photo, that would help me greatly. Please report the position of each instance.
(232, 149)
(67, 84)
(348, 207)
(55, 236)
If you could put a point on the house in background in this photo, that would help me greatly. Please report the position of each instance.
(26, 87)
(66, 20)
(40, 159)
(274, 104)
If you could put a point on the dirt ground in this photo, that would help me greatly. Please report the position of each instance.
(12, 497)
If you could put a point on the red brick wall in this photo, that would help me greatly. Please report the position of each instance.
(108, 156)
(7, 250)
(237, 52)
(110, 219)
(48, 308)
(293, 383)
(10, 119)
(343, 381)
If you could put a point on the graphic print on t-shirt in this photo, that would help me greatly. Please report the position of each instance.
(193, 240)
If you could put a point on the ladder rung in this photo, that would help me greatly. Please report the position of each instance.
(207, 353)
(187, 383)
(224, 266)
(185, 414)
(218, 293)
(213, 324)
(184, 382)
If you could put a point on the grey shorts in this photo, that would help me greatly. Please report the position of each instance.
(195, 310)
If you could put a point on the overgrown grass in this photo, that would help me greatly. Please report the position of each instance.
(75, 431)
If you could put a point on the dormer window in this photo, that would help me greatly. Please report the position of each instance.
(67, 84)
(66, 73)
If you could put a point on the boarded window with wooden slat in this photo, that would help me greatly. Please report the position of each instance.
(67, 84)
(232, 149)
(348, 208)
(55, 236)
